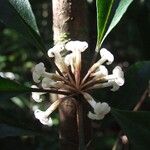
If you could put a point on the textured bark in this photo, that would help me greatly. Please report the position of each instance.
(69, 22)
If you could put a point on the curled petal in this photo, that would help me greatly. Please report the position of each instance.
(115, 86)
(117, 71)
(95, 116)
(76, 45)
(55, 52)
(56, 49)
(36, 77)
(38, 72)
(42, 117)
(100, 110)
(107, 56)
(101, 71)
(36, 96)
(39, 67)
(117, 78)
(47, 83)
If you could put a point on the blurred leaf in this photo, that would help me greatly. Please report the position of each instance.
(9, 88)
(109, 14)
(15, 121)
(6, 130)
(18, 15)
(137, 127)
(136, 82)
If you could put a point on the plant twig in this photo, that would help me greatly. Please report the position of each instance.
(140, 102)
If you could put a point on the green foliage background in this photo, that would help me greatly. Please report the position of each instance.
(129, 42)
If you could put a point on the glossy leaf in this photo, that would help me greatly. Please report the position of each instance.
(109, 14)
(7, 130)
(9, 88)
(17, 122)
(137, 127)
(18, 15)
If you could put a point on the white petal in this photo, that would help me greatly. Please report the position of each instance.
(47, 83)
(39, 68)
(105, 108)
(56, 49)
(92, 116)
(115, 86)
(39, 114)
(97, 108)
(42, 117)
(36, 77)
(116, 79)
(95, 116)
(38, 72)
(36, 96)
(76, 45)
(46, 121)
(101, 108)
(101, 71)
(105, 54)
(119, 74)
(70, 61)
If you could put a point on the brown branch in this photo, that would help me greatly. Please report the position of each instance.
(140, 102)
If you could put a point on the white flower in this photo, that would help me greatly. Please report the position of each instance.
(36, 96)
(106, 56)
(69, 81)
(117, 76)
(42, 117)
(74, 59)
(100, 110)
(114, 80)
(52, 52)
(70, 61)
(76, 46)
(48, 83)
(100, 72)
(114, 85)
(8, 75)
(38, 72)
(55, 52)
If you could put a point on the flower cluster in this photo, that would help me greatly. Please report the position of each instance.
(68, 79)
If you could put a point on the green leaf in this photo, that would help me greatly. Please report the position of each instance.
(18, 15)
(7, 130)
(17, 122)
(109, 14)
(136, 82)
(137, 127)
(9, 88)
